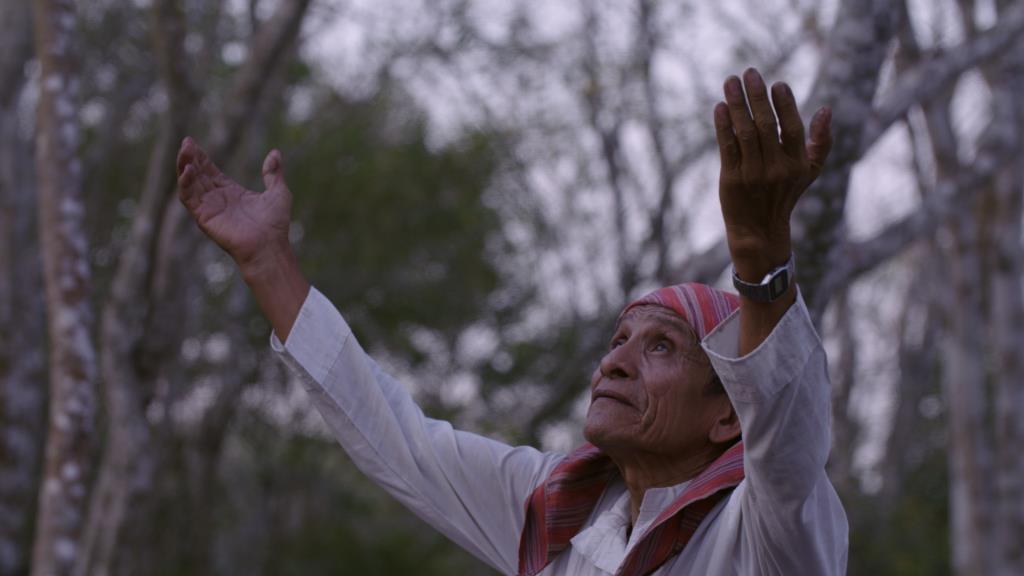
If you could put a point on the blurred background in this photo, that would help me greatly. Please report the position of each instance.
(479, 186)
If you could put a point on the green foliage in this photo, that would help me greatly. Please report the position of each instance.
(396, 232)
(319, 515)
(910, 538)
(399, 235)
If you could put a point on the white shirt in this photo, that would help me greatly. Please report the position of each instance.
(784, 518)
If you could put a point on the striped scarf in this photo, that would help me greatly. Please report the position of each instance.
(559, 507)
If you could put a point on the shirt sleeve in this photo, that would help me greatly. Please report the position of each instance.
(470, 488)
(792, 518)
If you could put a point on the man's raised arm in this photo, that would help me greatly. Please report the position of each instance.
(762, 178)
(771, 362)
(470, 488)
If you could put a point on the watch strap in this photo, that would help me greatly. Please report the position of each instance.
(772, 286)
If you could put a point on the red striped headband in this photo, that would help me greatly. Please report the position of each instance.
(701, 306)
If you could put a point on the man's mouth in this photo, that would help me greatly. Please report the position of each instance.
(611, 395)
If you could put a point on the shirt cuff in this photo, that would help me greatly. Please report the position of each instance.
(317, 336)
(777, 361)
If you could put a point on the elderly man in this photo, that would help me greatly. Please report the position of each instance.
(665, 484)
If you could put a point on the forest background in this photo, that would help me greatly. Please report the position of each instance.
(479, 186)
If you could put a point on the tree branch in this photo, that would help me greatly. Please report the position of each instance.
(128, 465)
(847, 81)
(266, 50)
(668, 172)
(921, 83)
(951, 197)
(609, 136)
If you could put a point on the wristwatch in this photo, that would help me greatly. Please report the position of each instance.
(771, 287)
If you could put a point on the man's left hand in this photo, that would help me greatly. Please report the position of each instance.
(766, 166)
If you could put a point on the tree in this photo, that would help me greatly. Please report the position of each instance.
(510, 176)
(22, 329)
(68, 460)
(131, 454)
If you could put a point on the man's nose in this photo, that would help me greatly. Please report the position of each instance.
(619, 362)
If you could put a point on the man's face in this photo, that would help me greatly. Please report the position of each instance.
(649, 393)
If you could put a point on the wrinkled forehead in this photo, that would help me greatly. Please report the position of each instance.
(657, 314)
(643, 316)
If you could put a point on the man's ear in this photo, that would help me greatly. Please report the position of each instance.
(726, 427)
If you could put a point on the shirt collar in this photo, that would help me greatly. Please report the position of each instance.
(604, 543)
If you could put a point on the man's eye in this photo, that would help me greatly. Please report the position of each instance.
(616, 343)
(661, 346)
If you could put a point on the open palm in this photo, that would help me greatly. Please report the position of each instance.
(766, 166)
(240, 221)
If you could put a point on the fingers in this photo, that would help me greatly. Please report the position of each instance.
(206, 172)
(792, 126)
(273, 171)
(743, 126)
(728, 147)
(190, 153)
(186, 172)
(764, 116)
(182, 160)
(187, 177)
(196, 173)
(821, 140)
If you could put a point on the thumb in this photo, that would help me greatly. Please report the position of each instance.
(273, 170)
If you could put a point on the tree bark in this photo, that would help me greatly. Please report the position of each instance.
(129, 461)
(845, 430)
(22, 329)
(1007, 313)
(138, 326)
(62, 500)
(918, 360)
(971, 454)
(971, 448)
(847, 81)
(1007, 337)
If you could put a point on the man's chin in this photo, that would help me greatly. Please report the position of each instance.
(605, 435)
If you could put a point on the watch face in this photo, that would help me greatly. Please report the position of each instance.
(779, 284)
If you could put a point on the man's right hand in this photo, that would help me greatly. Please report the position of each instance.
(252, 227)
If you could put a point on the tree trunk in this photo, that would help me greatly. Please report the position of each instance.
(1007, 307)
(139, 326)
(847, 81)
(1008, 344)
(986, 381)
(129, 462)
(62, 500)
(972, 501)
(1007, 336)
(971, 454)
(918, 367)
(22, 332)
(845, 429)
